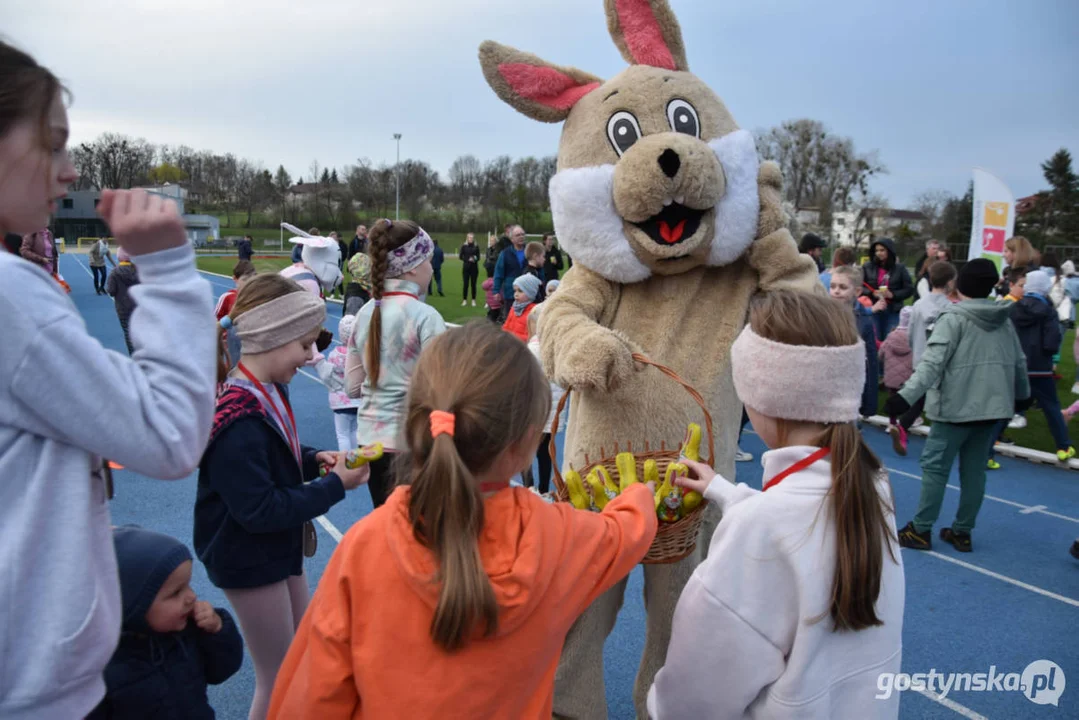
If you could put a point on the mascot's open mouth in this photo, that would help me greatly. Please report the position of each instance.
(673, 224)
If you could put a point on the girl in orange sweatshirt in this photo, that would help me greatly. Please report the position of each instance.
(454, 598)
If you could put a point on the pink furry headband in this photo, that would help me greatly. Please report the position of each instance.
(798, 382)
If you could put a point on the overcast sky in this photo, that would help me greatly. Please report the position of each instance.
(936, 86)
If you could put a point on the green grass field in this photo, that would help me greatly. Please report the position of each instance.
(1035, 435)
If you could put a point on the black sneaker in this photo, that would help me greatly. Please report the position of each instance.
(961, 541)
(911, 538)
(1075, 550)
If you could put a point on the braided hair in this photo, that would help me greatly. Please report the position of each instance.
(384, 238)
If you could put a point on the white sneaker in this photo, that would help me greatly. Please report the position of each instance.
(464, 302)
(474, 305)
(1018, 422)
(918, 423)
(743, 456)
(1075, 389)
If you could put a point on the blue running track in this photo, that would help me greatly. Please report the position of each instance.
(1014, 600)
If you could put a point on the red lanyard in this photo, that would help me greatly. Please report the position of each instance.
(406, 294)
(797, 467)
(289, 431)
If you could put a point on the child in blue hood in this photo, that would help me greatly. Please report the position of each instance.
(172, 644)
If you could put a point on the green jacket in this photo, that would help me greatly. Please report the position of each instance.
(973, 368)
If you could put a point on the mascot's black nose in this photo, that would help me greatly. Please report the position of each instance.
(669, 163)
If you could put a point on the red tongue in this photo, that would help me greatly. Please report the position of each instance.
(671, 236)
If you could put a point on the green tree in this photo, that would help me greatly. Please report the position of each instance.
(1061, 216)
(166, 172)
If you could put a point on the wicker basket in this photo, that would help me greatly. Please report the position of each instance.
(674, 541)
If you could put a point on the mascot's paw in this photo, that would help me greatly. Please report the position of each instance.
(601, 362)
(770, 189)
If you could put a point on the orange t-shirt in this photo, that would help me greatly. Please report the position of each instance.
(364, 648)
(518, 324)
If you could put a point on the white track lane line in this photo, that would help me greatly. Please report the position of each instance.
(952, 705)
(1003, 578)
(85, 269)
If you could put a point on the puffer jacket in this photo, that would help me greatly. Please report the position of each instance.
(899, 282)
(898, 359)
(1039, 333)
(973, 345)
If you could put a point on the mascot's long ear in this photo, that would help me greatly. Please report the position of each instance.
(647, 33)
(532, 86)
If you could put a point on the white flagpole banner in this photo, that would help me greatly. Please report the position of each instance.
(994, 217)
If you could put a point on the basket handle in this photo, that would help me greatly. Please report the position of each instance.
(560, 484)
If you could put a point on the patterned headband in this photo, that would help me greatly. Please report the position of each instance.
(410, 255)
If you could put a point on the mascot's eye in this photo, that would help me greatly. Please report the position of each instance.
(623, 130)
(683, 118)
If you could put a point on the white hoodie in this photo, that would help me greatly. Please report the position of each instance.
(65, 402)
(744, 643)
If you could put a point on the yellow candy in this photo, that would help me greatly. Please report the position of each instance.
(691, 446)
(599, 493)
(577, 494)
(627, 470)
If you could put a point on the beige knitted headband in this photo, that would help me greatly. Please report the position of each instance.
(279, 322)
(798, 382)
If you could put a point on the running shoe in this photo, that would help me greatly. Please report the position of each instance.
(1065, 455)
(992, 464)
(911, 538)
(743, 456)
(1018, 422)
(960, 540)
(899, 439)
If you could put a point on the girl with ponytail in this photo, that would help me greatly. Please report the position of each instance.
(390, 331)
(798, 608)
(454, 598)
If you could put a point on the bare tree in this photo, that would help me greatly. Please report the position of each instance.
(818, 168)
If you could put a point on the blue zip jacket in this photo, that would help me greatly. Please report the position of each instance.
(867, 329)
(252, 501)
(508, 269)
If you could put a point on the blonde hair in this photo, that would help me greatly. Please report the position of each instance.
(1024, 251)
(855, 274)
(445, 504)
(860, 513)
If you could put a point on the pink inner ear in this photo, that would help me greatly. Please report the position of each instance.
(545, 85)
(643, 36)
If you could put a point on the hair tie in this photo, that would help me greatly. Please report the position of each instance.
(442, 422)
(226, 322)
(389, 223)
(378, 303)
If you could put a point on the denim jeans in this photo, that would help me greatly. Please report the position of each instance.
(1044, 392)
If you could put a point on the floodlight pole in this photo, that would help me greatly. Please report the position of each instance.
(397, 176)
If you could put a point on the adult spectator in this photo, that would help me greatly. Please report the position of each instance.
(887, 279)
(505, 241)
(813, 246)
(469, 255)
(491, 258)
(553, 264)
(510, 266)
(245, 249)
(921, 268)
(359, 242)
(842, 257)
(39, 249)
(1018, 253)
(437, 258)
(99, 253)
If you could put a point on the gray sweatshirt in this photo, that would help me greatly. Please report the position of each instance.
(922, 316)
(66, 402)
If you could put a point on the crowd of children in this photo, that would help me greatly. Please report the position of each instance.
(456, 577)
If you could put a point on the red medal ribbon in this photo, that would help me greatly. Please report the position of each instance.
(290, 432)
(406, 294)
(797, 467)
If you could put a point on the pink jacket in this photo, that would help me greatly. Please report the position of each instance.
(898, 359)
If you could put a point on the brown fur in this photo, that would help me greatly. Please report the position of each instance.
(685, 315)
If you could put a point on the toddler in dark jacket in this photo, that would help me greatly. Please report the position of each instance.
(172, 644)
(118, 285)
